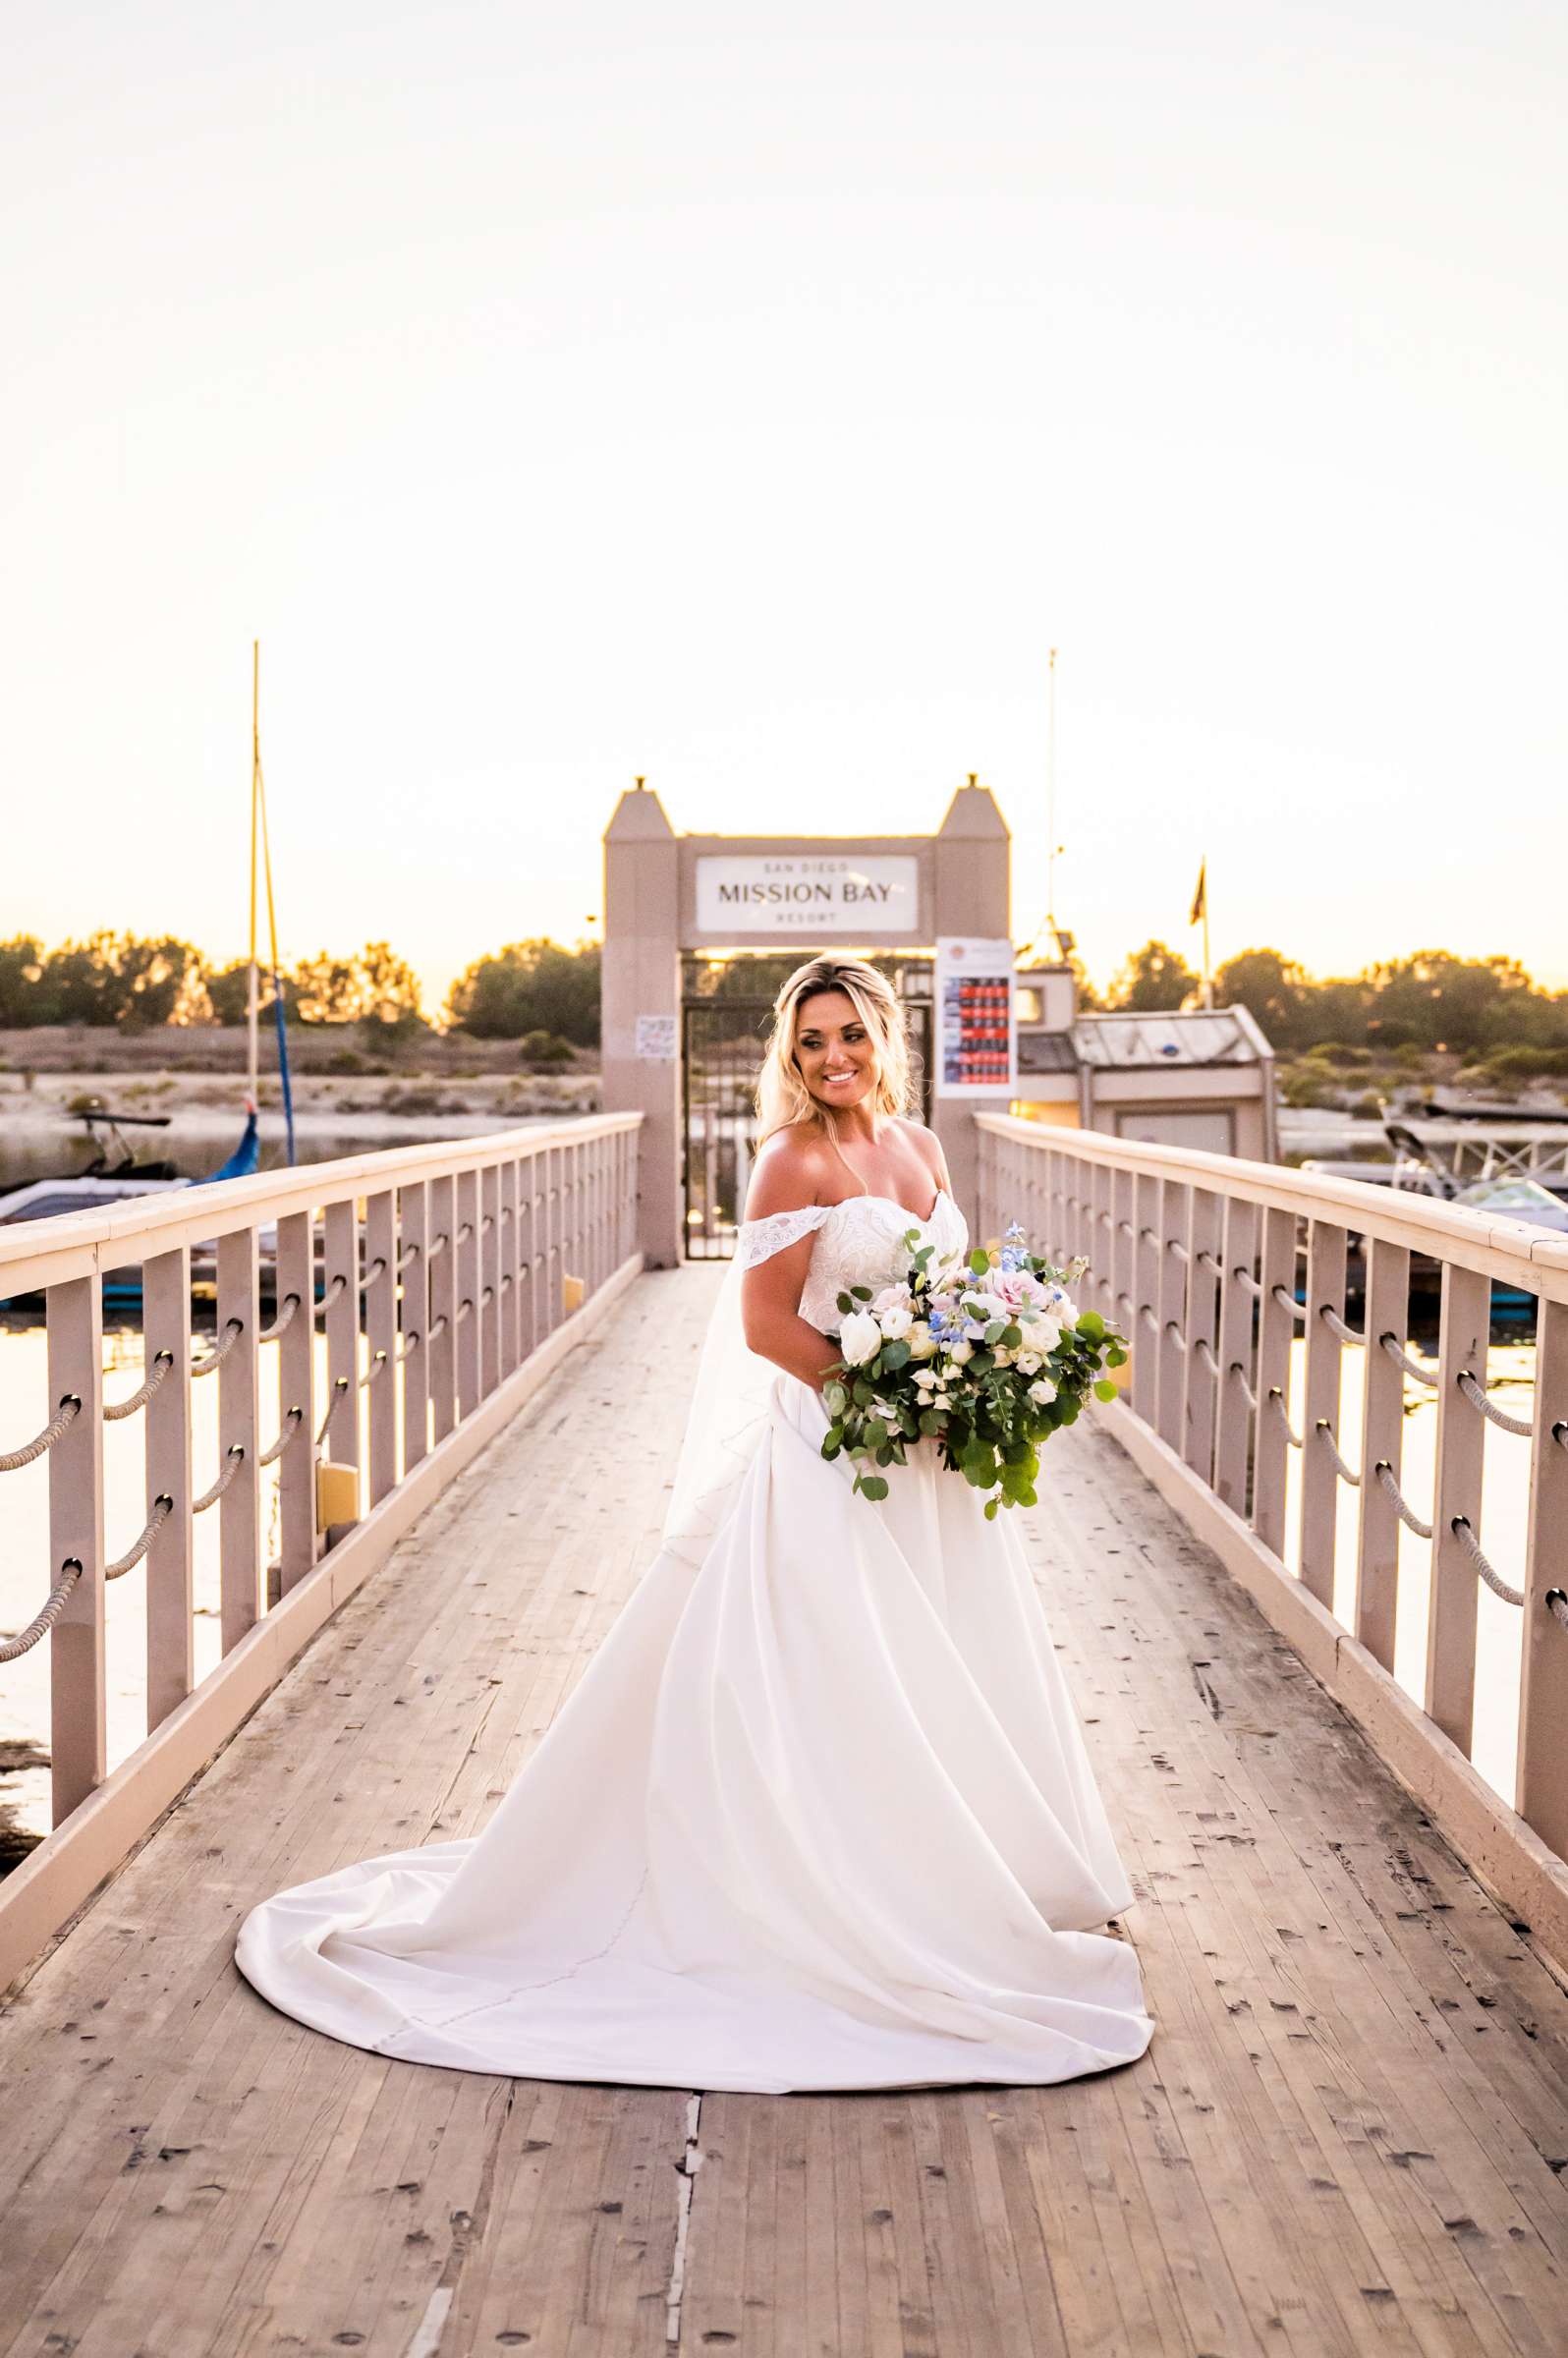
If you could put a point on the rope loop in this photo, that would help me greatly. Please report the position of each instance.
(1489, 1408)
(282, 1322)
(1325, 1434)
(1336, 1324)
(1277, 1398)
(162, 1509)
(1297, 1309)
(41, 1443)
(1401, 1358)
(340, 1384)
(1240, 1375)
(1460, 1527)
(286, 1432)
(1401, 1505)
(42, 1622)
(114, 1410)
(1248, 1282)
(236, 1455)
(233, 1328)
(374, 1274)
(1556, 1604)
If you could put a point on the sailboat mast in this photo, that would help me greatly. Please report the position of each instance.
(254, 1002)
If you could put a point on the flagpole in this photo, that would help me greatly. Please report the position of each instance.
(1208, 972)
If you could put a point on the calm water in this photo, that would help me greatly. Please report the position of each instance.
(25, 1550)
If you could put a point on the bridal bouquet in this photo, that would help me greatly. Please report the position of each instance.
(985, 1357)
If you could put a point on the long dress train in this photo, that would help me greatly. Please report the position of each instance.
(819, 1814)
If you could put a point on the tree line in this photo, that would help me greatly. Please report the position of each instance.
(1474, 1007)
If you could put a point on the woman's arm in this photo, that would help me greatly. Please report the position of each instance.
(770, 1291)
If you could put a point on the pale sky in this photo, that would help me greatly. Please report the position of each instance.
(751, 398)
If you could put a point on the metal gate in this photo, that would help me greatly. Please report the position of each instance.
(721, 1054)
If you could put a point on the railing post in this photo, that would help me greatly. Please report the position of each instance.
(551, 1160)
(1320, 1481)
(1235, 1351)
(413, 1317)
(341, 1443)
(1387, 1312)
(489, 1299)
(443, 1305)
(527, 1232)
(77, 1721)
(1542, 1772)
(1145, 1333)
(511, 1287)
(1124, 1253)
(1461, 1449)
(171, 1558)
(468, 1289)
(1175, 1218)
(241, 1595)
(381, 1338)
(1200, 1324)
(296, 1532)
(1277, 1329)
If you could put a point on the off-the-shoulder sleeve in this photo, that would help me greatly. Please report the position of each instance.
(759, 1240)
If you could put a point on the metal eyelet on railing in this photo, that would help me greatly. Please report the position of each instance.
(1401, 1505)
(15, 1459)
(378, 1361)
(231, 1330)
(1559, 1432)
(1325, 1432)
(1556, 1604)
(283, 1321)
(42, 1622)
(162, 1509)
(1336, 1324)
(1489, 1410)
(286, 1432)
(1240, 1375)
(235, 1456)
(1461, 1528)
(114, 1410)
(1402, 1359)
(1298, 1309)
(1277, 1401)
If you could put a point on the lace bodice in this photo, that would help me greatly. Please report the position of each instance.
(858, 1242)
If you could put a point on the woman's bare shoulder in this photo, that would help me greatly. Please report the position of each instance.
(787, 1172)
(927, 1144)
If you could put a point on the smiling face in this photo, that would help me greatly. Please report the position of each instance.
(836, 1054)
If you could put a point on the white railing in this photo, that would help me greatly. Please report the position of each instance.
(447, 1278)
(1197, 1258)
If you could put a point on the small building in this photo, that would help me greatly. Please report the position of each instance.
(1202, 1077)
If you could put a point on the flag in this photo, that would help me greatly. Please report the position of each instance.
(1199, 906)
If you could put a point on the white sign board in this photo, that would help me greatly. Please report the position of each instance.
(655, 1039)
(814, 893)
(976, 1033)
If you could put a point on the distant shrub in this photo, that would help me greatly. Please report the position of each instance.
(1369, 1106)
(543, 1051)
(1339, 1053)
(1526, 1064)
(1299, 1087)
(345, 1060)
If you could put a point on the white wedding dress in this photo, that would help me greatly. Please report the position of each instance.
(819, 1814)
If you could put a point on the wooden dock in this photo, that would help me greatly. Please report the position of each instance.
(1350, 2133)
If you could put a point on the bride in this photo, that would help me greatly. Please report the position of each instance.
(819, 1813)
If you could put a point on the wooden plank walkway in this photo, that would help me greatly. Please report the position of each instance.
(1350, 2133)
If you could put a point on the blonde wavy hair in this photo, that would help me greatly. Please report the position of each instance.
(782, 1097)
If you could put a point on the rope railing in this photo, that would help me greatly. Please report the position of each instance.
(114, 1410)
(1297, 1309)
(162, 1509)
(1346, 1473)
(1461, 1528)
(1206, 1261)
(286, 1432)
(1414, 1368)
(410, 1251)
(411, 1344)
(282, 1322)
(232, 1331)
(1125, 1228)
(1556, 1602)
(1248, 1282)
(1336, 1324)
(1205, 1351)
(1239, 1373)
(236, 1457)
(1276, 1400)
(464, 1309)
(377, 1363)
(41, 1443)
(437, 1326)
(42, 1622)
(464, 1232)
(1144, 1313)
(439, 1245)
(1173, 1244)
(1559, 1432)
(1171, 1327)
(1148, 1236)
(374, 1274)
(334, 1292)
(1400, 1503)
(340, 1384)
(1489, 1409)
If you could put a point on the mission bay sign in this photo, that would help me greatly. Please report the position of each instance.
(784, 894)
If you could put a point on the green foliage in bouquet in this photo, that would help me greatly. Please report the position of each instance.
(985, 1359)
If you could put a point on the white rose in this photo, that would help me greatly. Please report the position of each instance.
(921, 1342)
(1065, 1311)
(960, 1351)
(1042, 1390)
(895, 1322)
(1029, 1363)
(859, 1339)
(1043, 1336)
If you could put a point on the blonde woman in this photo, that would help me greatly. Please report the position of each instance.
(819, 1813)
